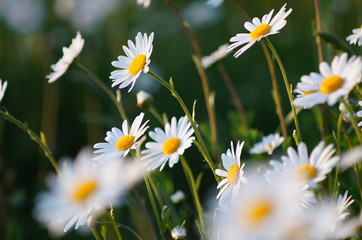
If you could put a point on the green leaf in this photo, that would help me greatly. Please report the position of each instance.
(165, 215)
(198, 181)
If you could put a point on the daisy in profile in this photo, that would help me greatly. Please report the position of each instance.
(268, 144)
(259, 29)
(2, 89)
(145, 3)
(120, 142)
(69, 54)
(356, 36)
(303, 168)
(219, 54)
(169, 144)
(136, 60)
(333, 81)
(233, 175)
(83, 189)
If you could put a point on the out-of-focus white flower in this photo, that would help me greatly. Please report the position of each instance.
(214, 3)
(220, 53)
(143, 98)
(356, 36)
(69, 54)
(345, 114)
(145, 3)
(199, 16)
(177, 197)
(83, 189)
(179, 233)
(2, 89)
(268, 144)
(351, 157)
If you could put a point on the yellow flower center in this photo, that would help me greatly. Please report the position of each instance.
(170, 145)
(233, 174)
(84, 190)
(260, 31)
(258, 212)
(360, 27)
(305, 172)
(309, 92)
(137, 64)
(125, 142)
(331, 84)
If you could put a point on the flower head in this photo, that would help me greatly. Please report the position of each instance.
(68, 57)
(145, 3)
(136, 60)
(82, 190)
(268, 144)
(220, 53)
(2, 89)
(233, 175)
(169, 144)
(120, 142)
(333, 82)
(259, 29)
(356, 36)
(143, 99)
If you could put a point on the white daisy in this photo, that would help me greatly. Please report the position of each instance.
(268, 144)
(356, 36)
(119, 143)
(68, 57)
(259, 30)
(233, 176)
(143, 98)
(2, 89)
(343, 202)
(145, 3)
(137, 59)
(83, 189)
(331, 83)
(301, 168)
(169, 144)
(220, 53)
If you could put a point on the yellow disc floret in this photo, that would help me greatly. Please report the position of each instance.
(331, 84)
(137, 64)
(84, 190)
(260, 31)
(258, 212)
(125, 142)
(309, 92)
(170, 145)
(233, 174)
(305, 172)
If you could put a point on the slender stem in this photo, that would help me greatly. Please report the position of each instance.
(154, 112)
(319, 29)
(188, 114)
(353, 120)
(234, 95)
(200, 69)
(192, 184)
(41, 142)
(96, 234)
(114, 225)
(287, 88)
(105, 88)
(130, 229)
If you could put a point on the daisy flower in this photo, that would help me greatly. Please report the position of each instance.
(356, 36)
(169, 144)
(119, 143)
(145, 3)
(220, 53)
(268, 144)
(2, 89)
(136, 60)
(68, 57)
(333, 81)
(233, 176)
(83, 189)
(301, 168)
(143, 99)
(259, 29)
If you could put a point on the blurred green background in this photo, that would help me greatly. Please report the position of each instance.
(74, 112)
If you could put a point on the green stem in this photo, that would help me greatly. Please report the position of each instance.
(96, 234)
(130, 229)
(193, 124)
(192, 184)
(154, 112)
(105, 88)
(353, 119)
(40, 141)
(319, 29)
(114, 225)
(287, 88)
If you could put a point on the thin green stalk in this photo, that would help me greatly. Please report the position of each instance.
(39, 140)
(96, 234)
(353, 120)
(105, 88)
(114, 225)
(154, 112)
(287, 88)
(193, 124)
(319, 29)
(131, 230)
(192, 184)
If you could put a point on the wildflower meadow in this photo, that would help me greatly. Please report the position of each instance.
(168, 119)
